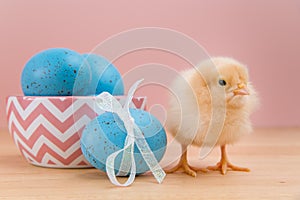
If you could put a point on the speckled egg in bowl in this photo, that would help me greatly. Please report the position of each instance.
(47, 130)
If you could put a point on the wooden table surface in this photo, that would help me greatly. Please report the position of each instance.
(273, 155)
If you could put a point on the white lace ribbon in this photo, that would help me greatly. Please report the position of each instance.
(134, 136)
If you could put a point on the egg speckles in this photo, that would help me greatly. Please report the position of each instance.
(56, 72)
(105, 76)
(106, 134)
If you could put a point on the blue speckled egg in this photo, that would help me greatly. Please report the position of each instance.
(56, 72)
(106, 134)
(105, 76)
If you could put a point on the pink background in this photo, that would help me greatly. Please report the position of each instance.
(263, 34)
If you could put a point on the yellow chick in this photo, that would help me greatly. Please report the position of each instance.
(216, 93)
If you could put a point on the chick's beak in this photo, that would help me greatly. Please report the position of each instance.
(241, 90)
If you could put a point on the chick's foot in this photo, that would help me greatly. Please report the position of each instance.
(183, 164)
(224, 164)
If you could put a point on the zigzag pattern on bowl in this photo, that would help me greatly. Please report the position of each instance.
(46, 130)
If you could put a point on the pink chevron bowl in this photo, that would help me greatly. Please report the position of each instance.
(47, 130)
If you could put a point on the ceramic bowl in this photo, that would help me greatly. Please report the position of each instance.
(47, 130)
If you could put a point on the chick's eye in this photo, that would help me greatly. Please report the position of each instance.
(222, 82)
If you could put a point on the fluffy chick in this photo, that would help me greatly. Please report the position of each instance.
(190, 114)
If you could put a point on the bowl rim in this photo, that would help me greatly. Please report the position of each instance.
(66, 97)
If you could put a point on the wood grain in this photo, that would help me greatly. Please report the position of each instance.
(273, 155)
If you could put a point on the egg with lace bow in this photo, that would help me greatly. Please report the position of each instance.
(106, 134)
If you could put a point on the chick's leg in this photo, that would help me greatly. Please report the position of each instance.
(224, 164)
(183, 164)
